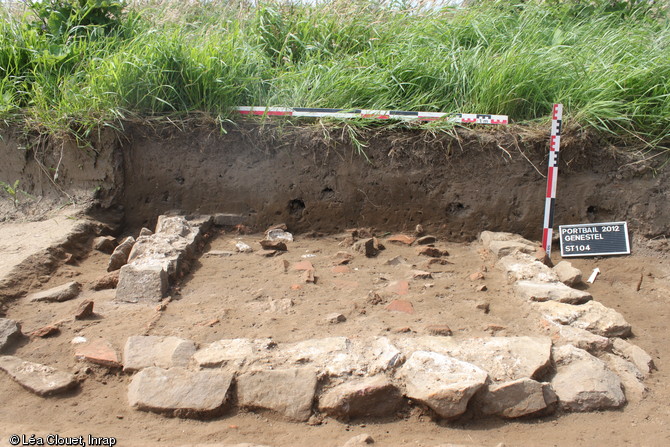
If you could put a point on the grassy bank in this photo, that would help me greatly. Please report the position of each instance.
(611, 69)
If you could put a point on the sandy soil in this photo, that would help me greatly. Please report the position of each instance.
(247, 295)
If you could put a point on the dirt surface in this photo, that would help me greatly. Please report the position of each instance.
(247, 295)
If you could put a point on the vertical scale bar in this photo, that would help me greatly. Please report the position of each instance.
(552, 177)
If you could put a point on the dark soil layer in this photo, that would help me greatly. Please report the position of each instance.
(313, 178)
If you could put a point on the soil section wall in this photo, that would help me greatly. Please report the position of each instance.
(315, 179)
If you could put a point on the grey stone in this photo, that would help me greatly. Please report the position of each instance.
(242, 247)
(568, 274)
(37, 378)
(119, 257)
(144, 232)
(591, 316)
(145, 283)
(425, 240)
(219, 253)
(519, 398)
(165, 352)
(105, 244)
(443, 383)
(288, 392)
(229, 220)
(504, 248)
(230, 354)
(368, 397)
(10, 332)
(631, 377)
(503, 358)
(335, 318)
(179, 392)
(359, 441)
(339, 356)
(487, 237)
(63, 292)
(522, 266)
(579, 338)
(583, 382)
(635, 354)
(550, 291)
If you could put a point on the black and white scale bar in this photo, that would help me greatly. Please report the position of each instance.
(374, 114)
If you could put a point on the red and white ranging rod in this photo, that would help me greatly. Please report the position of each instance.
(550, 201)
(374, 114)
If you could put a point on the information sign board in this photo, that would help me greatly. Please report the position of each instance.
(594, 239)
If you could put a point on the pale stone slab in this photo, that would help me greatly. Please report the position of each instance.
(179, 392)
(522, 266)
(145, 283)
(231, 353)
(635, 354)
(579, 338)
(583, 382)
(504, 248)
(568, 274)
(503, 358)
(165, 352)
(368, 397)
(10, 331)
(591, 316)
(519, 398)
(550, 291)
(631, 377)
(60, 293)
(40, 379)
(288, 392)
(487, 237)
(445, 384)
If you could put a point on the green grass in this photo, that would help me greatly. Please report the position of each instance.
(611, 70)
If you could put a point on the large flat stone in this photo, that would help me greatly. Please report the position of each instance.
(165, 352)
(522, 266)
(503, 358)
(443, 383)
(635, 354)
(591, 316)
(504, 248)
(368, 397)
(568, 274)
(288, 392)
(10, 332)
(229, 353)
(40, 379)
(631, 378)
(141, 283)
(583, 382)
(179, 392)
(550, 291)
(519, 398)
(488, 237)
(60, 293)
(579, 338)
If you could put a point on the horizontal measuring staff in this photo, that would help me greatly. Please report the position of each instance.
(374, 114)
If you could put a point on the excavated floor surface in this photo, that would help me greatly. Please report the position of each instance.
(246, 295)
